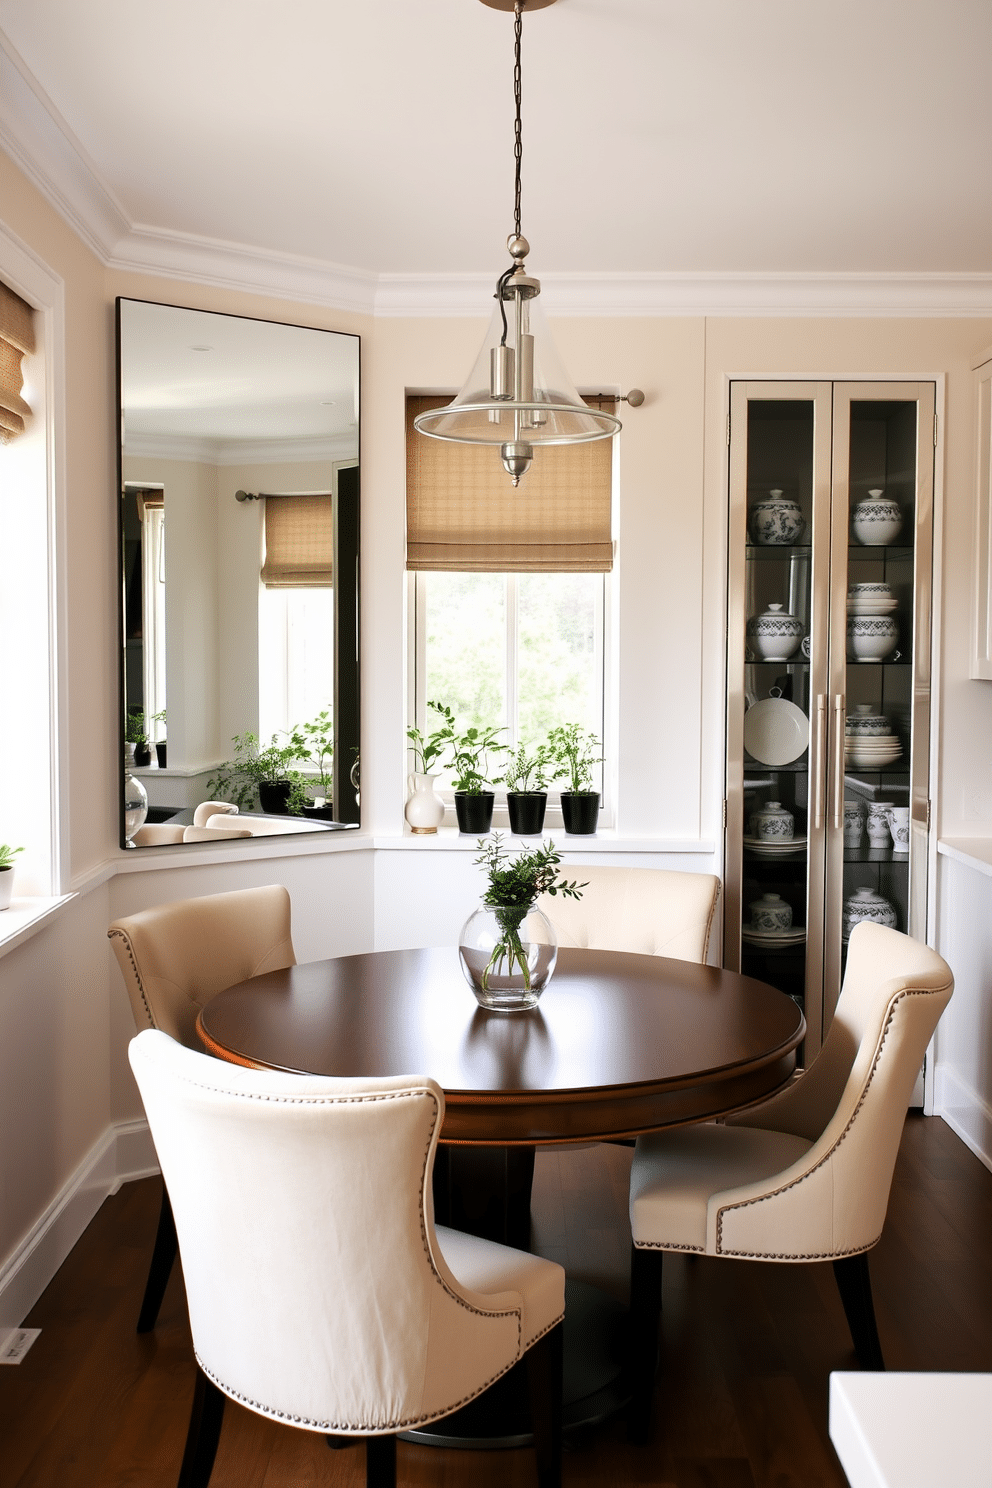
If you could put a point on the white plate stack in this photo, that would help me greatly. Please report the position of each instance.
(870, 599)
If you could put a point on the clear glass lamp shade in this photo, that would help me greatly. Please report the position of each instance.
(526, 396)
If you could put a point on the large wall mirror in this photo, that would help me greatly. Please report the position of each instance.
(239, 533)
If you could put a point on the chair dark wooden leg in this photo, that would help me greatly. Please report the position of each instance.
(645, 1320)
(544, 1379)
(854, 1285)
(380, 1462)
(205, 1421)
(163, 1256)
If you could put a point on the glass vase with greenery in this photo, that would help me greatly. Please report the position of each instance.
(508, 948)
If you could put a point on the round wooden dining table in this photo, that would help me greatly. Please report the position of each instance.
(619, 1045)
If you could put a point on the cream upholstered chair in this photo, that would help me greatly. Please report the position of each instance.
(320, 1292)
(155, 834)
(650, 911)
(207, 809)
(804, 1176)
(175, 958)
(215, 834)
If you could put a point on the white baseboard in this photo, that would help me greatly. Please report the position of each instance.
(966, 1112)
(125, 1151)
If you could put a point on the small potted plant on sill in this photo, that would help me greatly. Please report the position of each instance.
(7, 856)
(161, 746)
(263, 775)
(526, 781)
(508, 947)
(319, 736)
(136, 745)
(575, 754)
(424, 811)
(470, 764)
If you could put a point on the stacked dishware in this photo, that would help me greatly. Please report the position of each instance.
(870, 599)
(771, 923)
(869, 741)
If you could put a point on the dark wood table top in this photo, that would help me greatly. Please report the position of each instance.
(620, 1044)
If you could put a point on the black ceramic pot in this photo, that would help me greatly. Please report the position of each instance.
(580, 812)
(273, 796)
(142, 754)
(319, 813)
(161, 749)
(526, 810)
(474, 810)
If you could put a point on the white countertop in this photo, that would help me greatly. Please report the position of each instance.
(974, 852)
(913, 1430)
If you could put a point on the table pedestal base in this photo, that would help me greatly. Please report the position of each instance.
(594, 1385)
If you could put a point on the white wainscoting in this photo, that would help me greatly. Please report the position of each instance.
(963, 1078)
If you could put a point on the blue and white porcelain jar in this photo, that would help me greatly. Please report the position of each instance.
(776, 520)
(774, 634)
(771, 913)
(865, 904)
(772, 823)
(877, 519)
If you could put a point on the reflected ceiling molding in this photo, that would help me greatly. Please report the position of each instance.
(243, 451)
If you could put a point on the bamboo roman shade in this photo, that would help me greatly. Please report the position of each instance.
(299, 542)
(16, 338)
(463, 514)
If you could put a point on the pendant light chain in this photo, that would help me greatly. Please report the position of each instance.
(518, 144)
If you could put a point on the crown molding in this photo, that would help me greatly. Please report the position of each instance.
(43, 146)
(242, 451)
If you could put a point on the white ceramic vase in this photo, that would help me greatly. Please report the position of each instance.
(776, 520)
(865, 904)
(772, 823)
(774, 634)
(424, 810)
(6, 887)
(877, 519)
(771, 913)
(871, 637)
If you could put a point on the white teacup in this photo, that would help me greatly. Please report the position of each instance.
(879, 813)
(854, 823)
(899, 828)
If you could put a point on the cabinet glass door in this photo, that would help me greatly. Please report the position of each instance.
(879, 684)
(777, 675)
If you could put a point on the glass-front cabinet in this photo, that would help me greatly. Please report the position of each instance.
(828, 719)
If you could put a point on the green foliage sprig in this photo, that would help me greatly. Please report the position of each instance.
(8, 854)
(318, 734)
(429, 748)
(528, 770)
(519, 881)
(134, 729)
(574, 750)
(469, 757)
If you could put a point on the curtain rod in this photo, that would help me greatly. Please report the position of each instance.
(271, 495)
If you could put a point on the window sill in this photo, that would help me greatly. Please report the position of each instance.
(26, 917)
(449, 839)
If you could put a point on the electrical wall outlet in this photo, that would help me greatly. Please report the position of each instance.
(16, 1344)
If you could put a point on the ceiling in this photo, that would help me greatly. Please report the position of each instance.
(660, 136)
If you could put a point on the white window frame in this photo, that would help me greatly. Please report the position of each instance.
(417, 702)
(34, 755)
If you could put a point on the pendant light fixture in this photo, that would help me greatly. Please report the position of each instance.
(518, 394)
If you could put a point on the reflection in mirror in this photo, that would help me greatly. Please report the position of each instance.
(239, 562)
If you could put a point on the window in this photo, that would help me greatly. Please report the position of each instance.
(510, 590)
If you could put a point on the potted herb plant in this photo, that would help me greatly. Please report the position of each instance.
(7, 856)
(161, 746)
(575, 754)
(508, 947)
(526, 779)
(319, 736)
(424, 810)
(136, 740)
(264, 775)
(469, 763)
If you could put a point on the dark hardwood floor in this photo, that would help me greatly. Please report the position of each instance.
(742, 1395)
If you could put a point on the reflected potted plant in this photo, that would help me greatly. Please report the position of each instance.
(319, 736)
(508, 947)
(161, 746)
(136, 745)
(424, 811)
(526, 780)
(470, 764)
(7, 856)
(264, 775)
(575, 754)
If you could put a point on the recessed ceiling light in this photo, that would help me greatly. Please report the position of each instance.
(201, 348)
(327, 402)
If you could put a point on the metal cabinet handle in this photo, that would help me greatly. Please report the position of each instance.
(819, 758)
(837, 804)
